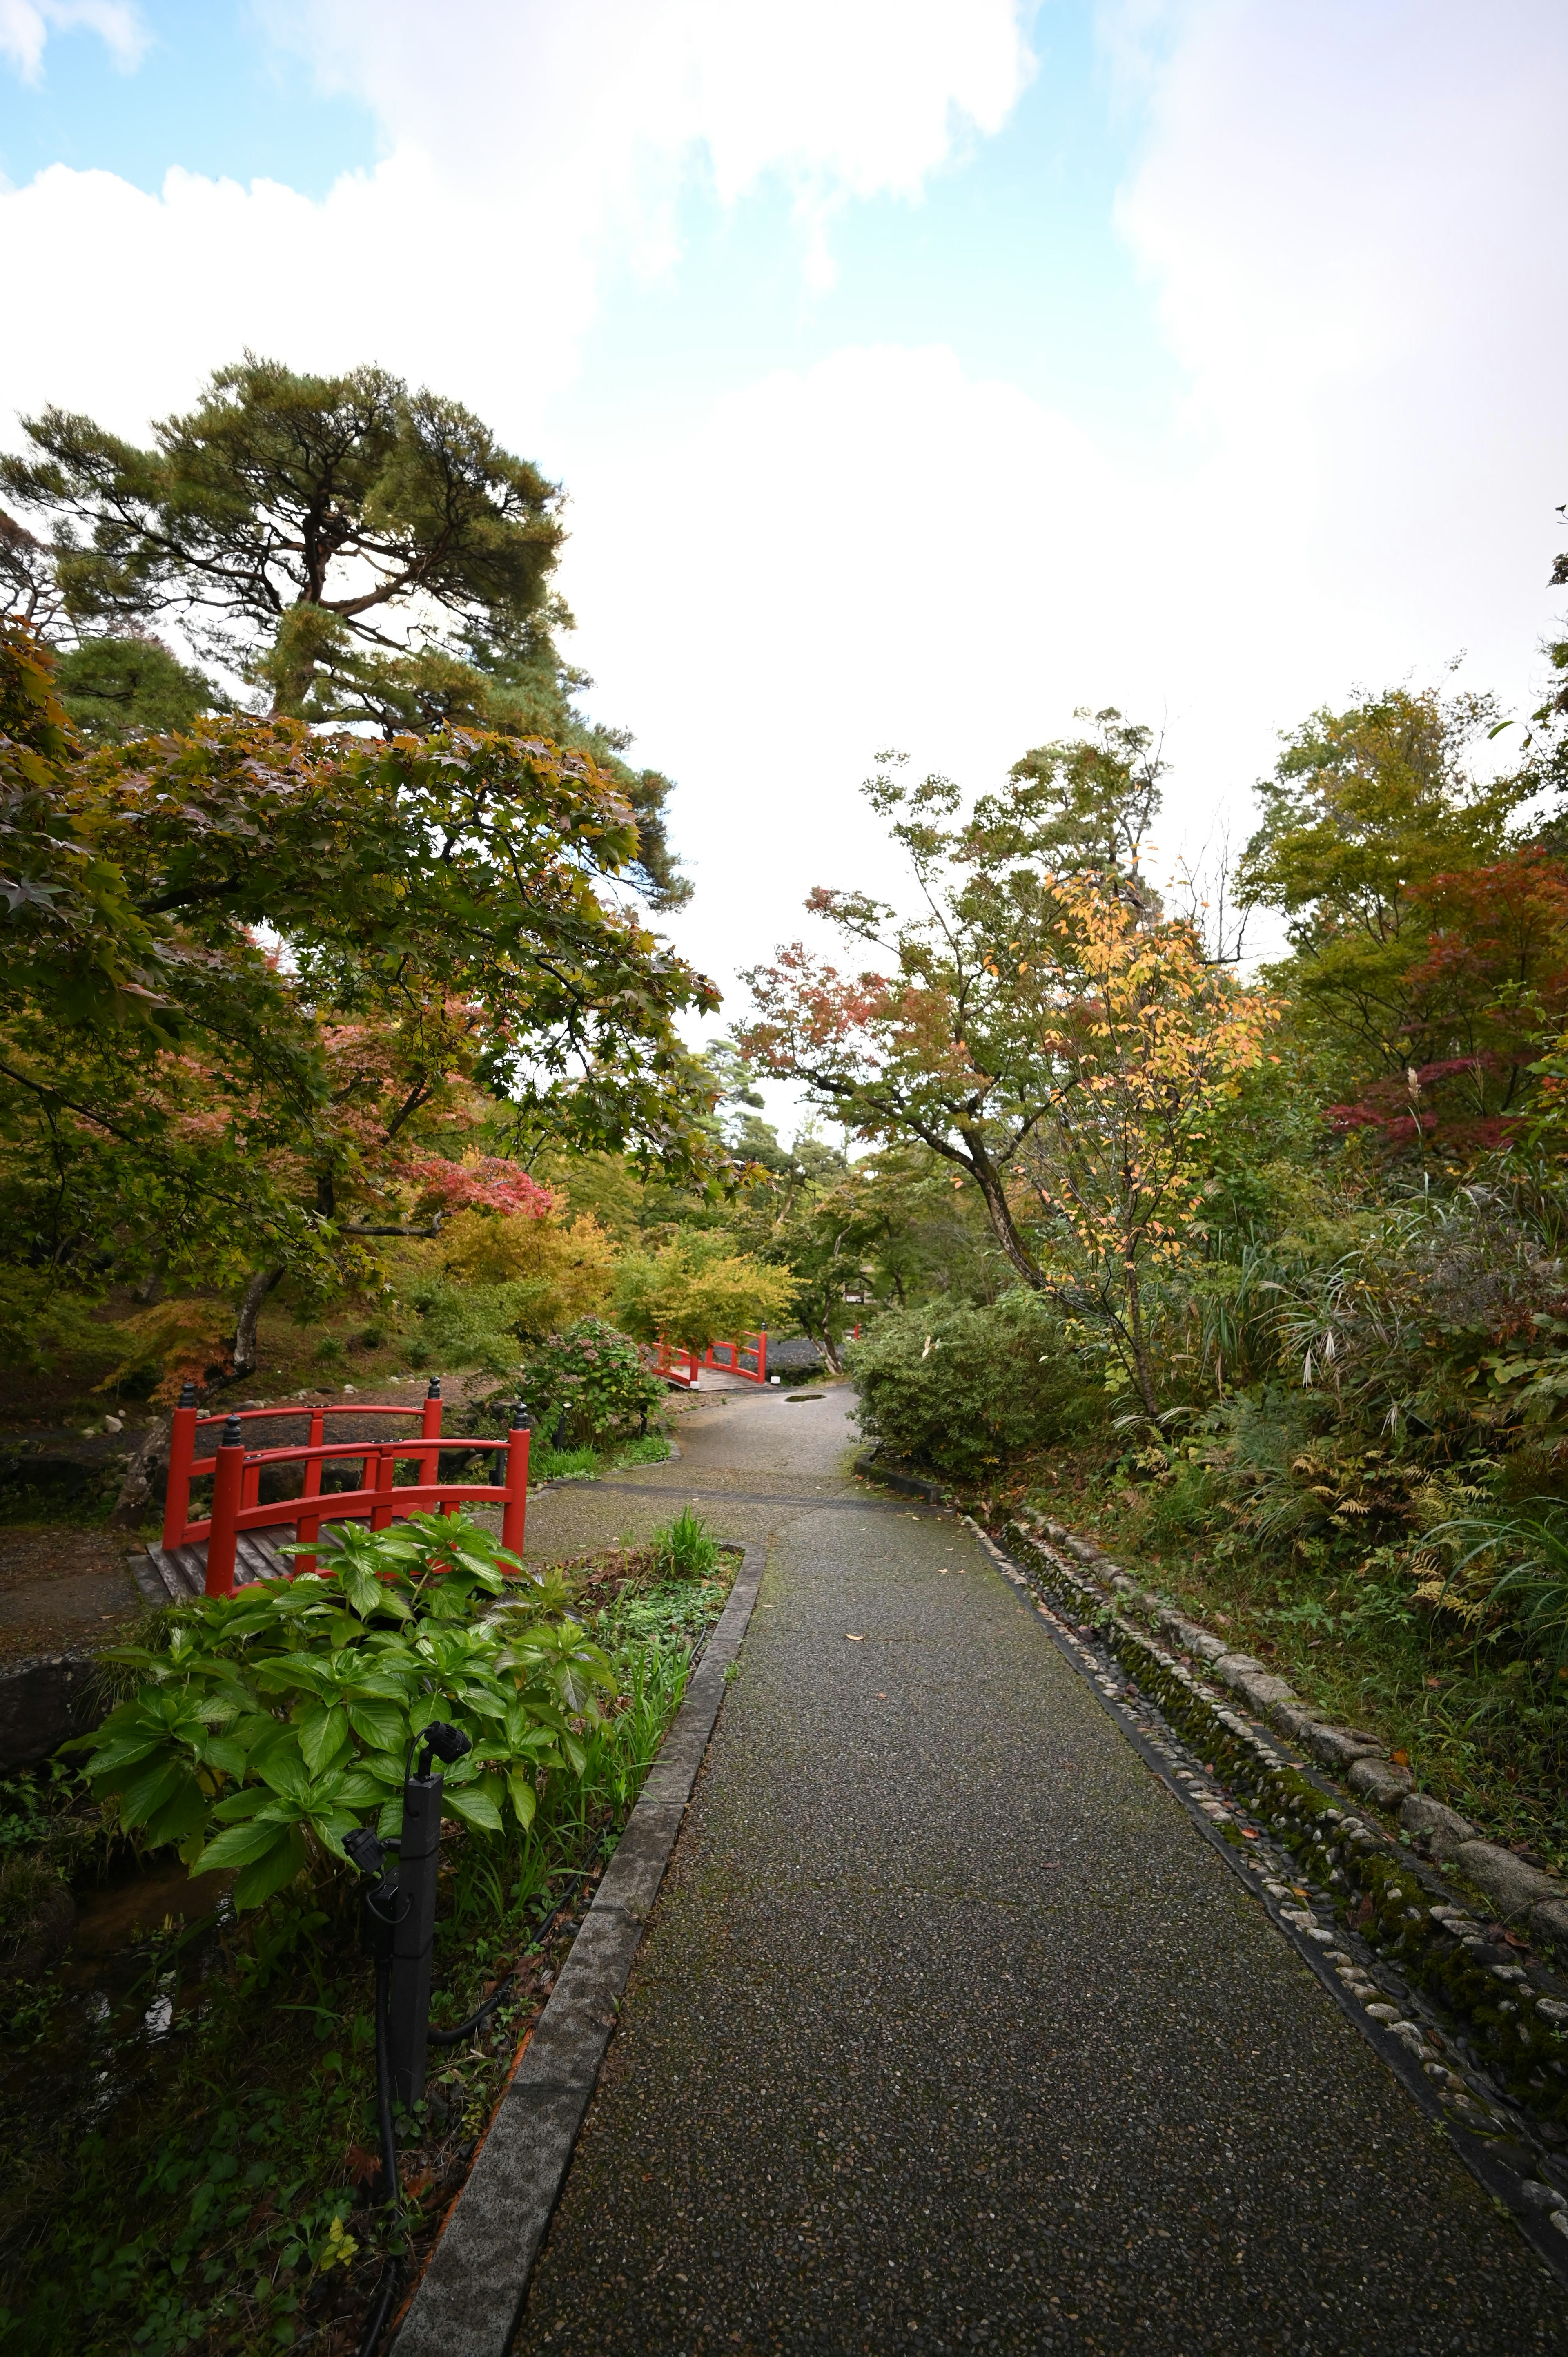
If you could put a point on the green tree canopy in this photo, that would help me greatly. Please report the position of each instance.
(116, 689)
(1368, 811)
(1084, 804)
(358, 551)
(175, 1093)
(949, 1043)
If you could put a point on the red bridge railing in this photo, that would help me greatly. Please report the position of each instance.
(685, 1367)
(378, 1498)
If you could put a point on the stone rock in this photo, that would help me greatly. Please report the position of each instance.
(1291, 1720)
(1261, 1689)
(1442, 1830)
(1340, 1747)
(1232, 1666)
(1191, 1637)
(1506, 1879)
(1383, 1784)
(44, 1701)
(1549, 1920)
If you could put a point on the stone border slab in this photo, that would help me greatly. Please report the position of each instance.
(471, 2294)
(912, 1484)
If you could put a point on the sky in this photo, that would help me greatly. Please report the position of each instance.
(917, 370)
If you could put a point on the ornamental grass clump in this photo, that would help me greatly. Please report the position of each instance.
(264, 1727)
(686, 1548)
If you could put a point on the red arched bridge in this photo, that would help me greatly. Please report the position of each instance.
(235, 1539)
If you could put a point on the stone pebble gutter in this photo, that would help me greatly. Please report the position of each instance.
(470, 2297)
(1473, 2023)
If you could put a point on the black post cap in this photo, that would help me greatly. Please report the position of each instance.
(520, 1416)
(187, 1393)
(234, 1434)
(434, 1391)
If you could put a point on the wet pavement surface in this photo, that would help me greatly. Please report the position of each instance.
(949, 2030)
(63, 1588)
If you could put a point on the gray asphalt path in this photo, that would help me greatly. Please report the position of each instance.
(949, 2030)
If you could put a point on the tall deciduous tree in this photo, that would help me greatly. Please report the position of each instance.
(1150, 1040)
(1366, 809)
(948, 1042)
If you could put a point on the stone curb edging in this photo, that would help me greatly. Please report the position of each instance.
(910, 1484)
(471, 2295)
(1496, 2152)
(1518, 2032)
(1517, 1894)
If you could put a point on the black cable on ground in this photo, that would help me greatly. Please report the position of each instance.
(376, 2324)
(466, 2028)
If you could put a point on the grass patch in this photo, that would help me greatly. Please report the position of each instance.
(547, 1464)
(188, 2130)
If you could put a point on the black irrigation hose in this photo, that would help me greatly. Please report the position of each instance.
(466, 2028)
(376, 2324)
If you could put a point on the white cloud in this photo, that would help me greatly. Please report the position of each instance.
(529, 148)
(1349, 215)
(1348, 220)
(25, 27)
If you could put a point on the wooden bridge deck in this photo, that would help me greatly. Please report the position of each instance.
(174, 1574)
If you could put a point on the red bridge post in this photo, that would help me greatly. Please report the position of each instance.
(227, 1483)
(181, 1454)
(514, 1513)
(430, 1429)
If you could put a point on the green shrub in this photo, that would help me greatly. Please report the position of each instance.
(592, 1380)
(468, 1325)
(267, 1725)
(962, 1389)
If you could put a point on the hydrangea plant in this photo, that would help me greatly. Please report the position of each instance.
(592, 1380)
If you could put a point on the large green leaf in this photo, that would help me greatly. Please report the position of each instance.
(281, 1767)
(182, 1815)
(475, 1807)
(323, 1734)
(240, 1846)
(381, 1724)
(151, 1786)
(257, 1882)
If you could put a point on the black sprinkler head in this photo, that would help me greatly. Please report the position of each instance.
(446, 1742)
(365, 1850)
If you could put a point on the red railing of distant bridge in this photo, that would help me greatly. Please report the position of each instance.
(378, 1498)
(685, 1367)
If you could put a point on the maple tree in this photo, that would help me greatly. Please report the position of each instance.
(949, 1044)
(250, 976)
(1150, 1038)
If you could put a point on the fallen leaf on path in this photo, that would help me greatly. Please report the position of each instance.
(881, 1698)
(853, 1640)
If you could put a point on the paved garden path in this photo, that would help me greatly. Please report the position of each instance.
(949, 2030)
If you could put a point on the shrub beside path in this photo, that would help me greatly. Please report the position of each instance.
(949, 2030)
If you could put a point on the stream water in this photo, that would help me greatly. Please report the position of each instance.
(93, 2027)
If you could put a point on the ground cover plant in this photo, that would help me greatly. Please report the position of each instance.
(190, 2134)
